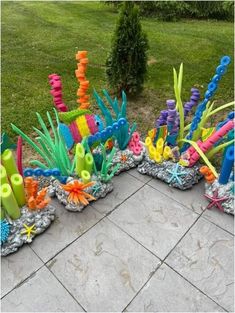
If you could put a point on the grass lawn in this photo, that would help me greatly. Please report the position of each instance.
(39, 38)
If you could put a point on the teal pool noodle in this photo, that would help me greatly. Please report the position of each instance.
(227, 166)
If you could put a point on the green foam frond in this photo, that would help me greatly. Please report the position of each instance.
(69, 117)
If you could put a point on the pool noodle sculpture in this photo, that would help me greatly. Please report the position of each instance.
(220, 191)
(200, 144)
(84, 134)
(14, 211)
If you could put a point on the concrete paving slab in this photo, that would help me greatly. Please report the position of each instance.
(205, 258)
(17, 267)
(66, 228)
(124, 186)
(104, 268)
(225, 221)
(191, 198)
(167, 291)
(136, 174)
(154, 220)
(40, 293)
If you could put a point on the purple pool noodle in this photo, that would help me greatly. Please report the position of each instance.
(170, 104)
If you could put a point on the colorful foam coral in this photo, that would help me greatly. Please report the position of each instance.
(134, 144)
(189, 144)
(35, 199)
(77, 193)
(83, 97)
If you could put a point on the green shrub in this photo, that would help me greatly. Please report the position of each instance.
(174, 10)
(221, 10)
(127, 61)
(163, 10)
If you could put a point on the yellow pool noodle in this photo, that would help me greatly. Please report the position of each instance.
(167, 153)
(148, 141)
(85, 176)
(9, 163)
(17, 185)
(9, 201)
(80, 158)
(3, 175)
(157, 157)
(160, 145)
(152, 151)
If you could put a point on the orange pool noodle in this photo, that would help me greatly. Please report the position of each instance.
(84, 61)
(81, 55)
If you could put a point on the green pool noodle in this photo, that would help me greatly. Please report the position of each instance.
(2, 213)
(89, 161)
(17, 185)
(85, 176)
(9, 163)
(9, 201)
(3, 175)
(80, 159)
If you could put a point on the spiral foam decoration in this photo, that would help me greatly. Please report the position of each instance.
(211, 89)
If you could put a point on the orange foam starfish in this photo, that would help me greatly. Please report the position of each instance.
(123, 158)
(77, 193)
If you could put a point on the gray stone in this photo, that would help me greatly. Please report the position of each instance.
(131, 160)
(188, 176)
(104, 268)
(40, 293)
(153, 220)
(42, 220)
(226, 191)
(167, 291)
(102, 189)
(192, 198)
(66, 228)
(124, 186)
(17, 267)
(205, 258)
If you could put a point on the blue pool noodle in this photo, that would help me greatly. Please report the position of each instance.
(227, 166)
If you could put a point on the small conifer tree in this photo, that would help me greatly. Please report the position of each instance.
(127, 61)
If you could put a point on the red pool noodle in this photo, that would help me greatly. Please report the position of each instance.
(19, 155)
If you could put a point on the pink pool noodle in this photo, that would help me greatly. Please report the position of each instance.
(134, 144)
(211, 141)
(136, 136)
(56, 92)
(19, 155)
(75, 133)
(91, 123)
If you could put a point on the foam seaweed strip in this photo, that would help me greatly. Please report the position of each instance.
(53, 150)
(222, 107)
(215, 150)
(128, 138)
(180, 79)
(179, 105)
(202, 155)
(113, 103)
(106, 164)
(38, 163)
(28, 140)
(19, 155)
(69, 117)
(106, 113)
(124, 103)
